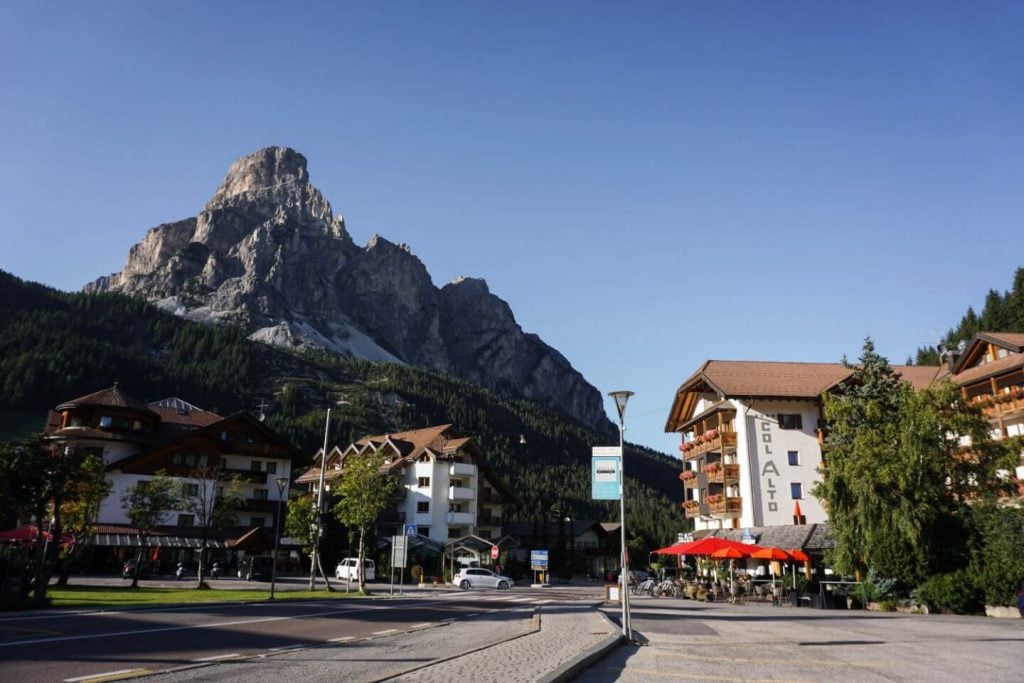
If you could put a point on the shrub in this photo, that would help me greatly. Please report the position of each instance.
(954, 592)
(879, 588)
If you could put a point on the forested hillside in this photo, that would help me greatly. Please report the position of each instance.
(1000, 313)
(56, 346)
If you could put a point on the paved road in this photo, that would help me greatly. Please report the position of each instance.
(61, 646)
(690, 641)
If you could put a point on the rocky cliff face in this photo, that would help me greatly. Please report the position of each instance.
(268, 252)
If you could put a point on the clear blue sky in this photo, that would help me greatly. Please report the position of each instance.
(647, 184)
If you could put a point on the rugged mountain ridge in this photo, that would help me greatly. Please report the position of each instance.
(268, 252)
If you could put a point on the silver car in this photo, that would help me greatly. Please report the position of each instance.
(482, 578)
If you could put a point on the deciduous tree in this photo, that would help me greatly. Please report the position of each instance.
(211, 496)
(148, 504)
(364, 490)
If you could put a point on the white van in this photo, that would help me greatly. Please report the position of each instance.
(348, 569)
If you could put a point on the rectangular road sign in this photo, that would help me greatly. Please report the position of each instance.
(399, 551)
(605, 469)
(410, 530)
(539, 560)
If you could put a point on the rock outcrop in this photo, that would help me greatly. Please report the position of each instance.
(267, 252)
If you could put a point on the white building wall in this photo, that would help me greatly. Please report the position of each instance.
(764, 449)
(111, 511)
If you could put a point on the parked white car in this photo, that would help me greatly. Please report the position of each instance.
(348, 569)
(482, 578)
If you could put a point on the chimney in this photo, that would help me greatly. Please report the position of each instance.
(949, 356)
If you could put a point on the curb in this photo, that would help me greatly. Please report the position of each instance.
(580, 662)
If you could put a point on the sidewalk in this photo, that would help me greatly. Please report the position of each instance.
(566, 639)
(684, 640)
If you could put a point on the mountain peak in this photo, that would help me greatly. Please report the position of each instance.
(263, 172)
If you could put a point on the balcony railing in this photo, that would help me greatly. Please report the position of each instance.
(691, 509)
(489, 521)
(726, 507)
(722, 474)
(711, 442)
(689, 479)
(461, 493)
(460, 518)
(462, 469)
(1003, 404)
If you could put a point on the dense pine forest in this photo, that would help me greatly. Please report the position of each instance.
(1000, 313)
(55, 346)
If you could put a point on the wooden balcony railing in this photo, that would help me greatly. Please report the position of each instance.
(722, 474)
(691, 509)
(726, 507)
(717, 442)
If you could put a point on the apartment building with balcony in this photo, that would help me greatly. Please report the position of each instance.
(136, 440)
(751, 440)
(989, 370)
(447, 489)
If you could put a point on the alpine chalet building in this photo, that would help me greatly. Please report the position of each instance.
(751, 440)
(447, 489)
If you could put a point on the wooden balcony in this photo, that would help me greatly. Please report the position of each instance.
(721, 442)
(722, 474)
(1002, 405)
(689, 482)
(691, 509)
(726, 507)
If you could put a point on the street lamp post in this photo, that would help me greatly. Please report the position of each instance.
(621, 398)
(282, 482)
(318, 516)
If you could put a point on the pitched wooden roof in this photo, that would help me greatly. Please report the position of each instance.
(114, 397)
(769, 379)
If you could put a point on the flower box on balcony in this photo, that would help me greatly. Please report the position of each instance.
(715, 498)
(687, 474)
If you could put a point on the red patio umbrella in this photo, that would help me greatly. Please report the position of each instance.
(710, 544)
(670, 550)
(730, 553)
(27, 533)
(798, 555)
(771, 553)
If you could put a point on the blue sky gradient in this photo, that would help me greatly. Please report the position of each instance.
(647, 184)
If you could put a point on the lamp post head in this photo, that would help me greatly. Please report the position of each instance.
(281, 482)
(621, 399)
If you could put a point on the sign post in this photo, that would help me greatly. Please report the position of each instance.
(399, 556)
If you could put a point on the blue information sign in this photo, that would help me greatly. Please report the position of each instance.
(539, 559)
(605, 468)
(410, 530)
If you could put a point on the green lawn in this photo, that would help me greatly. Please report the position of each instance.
(113, 596)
